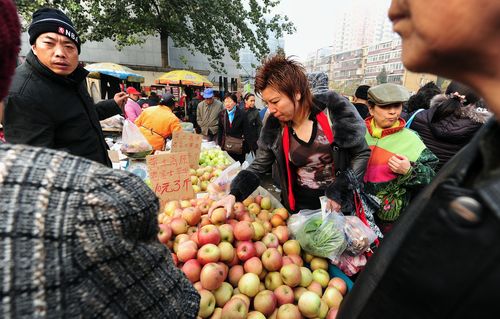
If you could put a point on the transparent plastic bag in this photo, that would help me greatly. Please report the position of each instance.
(319, 234)
(133, 142)
(359, 236)
(350, 265)
(220, 187)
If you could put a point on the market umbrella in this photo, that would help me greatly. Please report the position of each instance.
(115, 70)
(183, 77)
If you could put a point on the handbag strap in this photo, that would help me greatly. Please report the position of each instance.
(410, 120)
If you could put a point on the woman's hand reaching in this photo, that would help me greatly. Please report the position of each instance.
(226, 202)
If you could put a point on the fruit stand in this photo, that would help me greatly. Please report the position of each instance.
(244, 263)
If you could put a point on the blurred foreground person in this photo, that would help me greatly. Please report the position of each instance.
(441, 258)
(79, 240)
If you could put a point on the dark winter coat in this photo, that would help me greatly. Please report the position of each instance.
(239, 128)
(349, 134)
(446, 137)
(255, 124)
(441, 258)
(45, 109)
(79, 240)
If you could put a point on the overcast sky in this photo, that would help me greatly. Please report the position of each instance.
(312, 19)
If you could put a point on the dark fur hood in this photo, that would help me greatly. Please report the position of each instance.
(348, 126)
(474, 112)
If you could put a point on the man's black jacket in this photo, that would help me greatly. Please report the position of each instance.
(45, 109)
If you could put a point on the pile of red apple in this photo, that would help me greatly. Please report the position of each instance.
(245, 266)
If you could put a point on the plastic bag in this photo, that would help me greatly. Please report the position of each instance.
(319, 236)
(220, 187)
(350, 265)
(358, 235)
(133, 142)
(249, 157)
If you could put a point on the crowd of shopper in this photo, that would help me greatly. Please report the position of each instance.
(79, 239)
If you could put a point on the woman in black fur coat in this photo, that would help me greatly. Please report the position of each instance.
(302, 134)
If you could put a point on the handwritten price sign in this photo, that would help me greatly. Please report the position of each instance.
(189, 143)
(169, 175)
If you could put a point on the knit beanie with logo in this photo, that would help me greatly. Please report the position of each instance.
(52, 20)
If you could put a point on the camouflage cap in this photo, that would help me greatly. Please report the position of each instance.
(388, 93)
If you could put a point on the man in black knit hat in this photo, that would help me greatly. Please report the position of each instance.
(48, 103)
(78, 239)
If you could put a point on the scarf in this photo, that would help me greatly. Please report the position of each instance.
(230, 114)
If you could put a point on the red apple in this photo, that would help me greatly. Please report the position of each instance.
(338, 283)
(235, 309)
(192, 215)
(270, 240)
(265, 302)
(281, 233)
(284, 295)
(243, 231)
(223, 294)
(245, 250)
(227, 251)
(178, 225)
(253, 265)
(254, 208)
(297, 292)
(187, 250)
(226, 232)
(273, 280)
(291, 275)
(282, 212)
(209, 234)
(272, 260)
(208, 253)
(258, 199)
(266, 203)
(165, 233)
(170, 207)
(306, 277)
(205, 220)
(260, 248)
(332, 297)
(207, 303)
(264, 215)
(288, 311)
(316, 288)
(309, 304)
(332, 314)
(211, 276)
(259, 231)
(235, 273)
(218, 216)
(249, 284)
(296, 260)
(291, 247)
(192, 270)
(322, 277)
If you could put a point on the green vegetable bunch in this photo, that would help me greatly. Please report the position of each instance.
(323, 238)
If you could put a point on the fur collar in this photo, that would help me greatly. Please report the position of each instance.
(348, 126)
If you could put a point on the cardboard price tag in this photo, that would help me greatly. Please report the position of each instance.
(169, 175)
(189, 143)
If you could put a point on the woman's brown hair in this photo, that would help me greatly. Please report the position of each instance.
(287, 76)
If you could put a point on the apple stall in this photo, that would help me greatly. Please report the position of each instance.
(247, 263)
